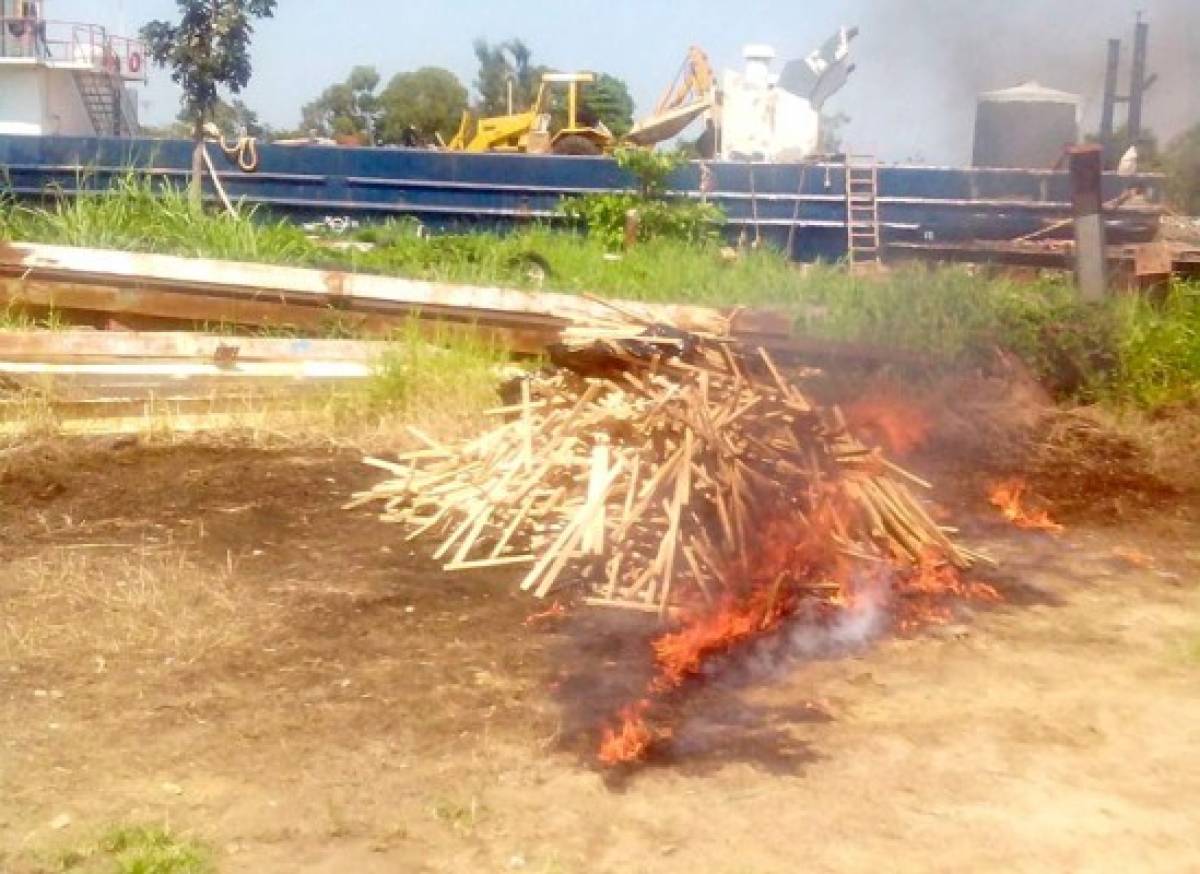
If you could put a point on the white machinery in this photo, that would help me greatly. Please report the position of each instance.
(777, 117)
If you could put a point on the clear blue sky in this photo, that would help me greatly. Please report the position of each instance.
(919, 61)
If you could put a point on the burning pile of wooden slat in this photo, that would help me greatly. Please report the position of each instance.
(643, 466)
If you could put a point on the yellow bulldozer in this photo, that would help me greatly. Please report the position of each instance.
(693, 94)
(530, 132)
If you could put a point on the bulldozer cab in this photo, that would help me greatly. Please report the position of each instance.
(580, 134)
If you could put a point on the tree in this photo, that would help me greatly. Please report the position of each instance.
(499, 65)
(428, 102)
(1181, 161)
(234, 119)
(609, 100)
(347, 109)
(208, 49)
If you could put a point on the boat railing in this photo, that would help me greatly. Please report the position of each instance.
(75, 43)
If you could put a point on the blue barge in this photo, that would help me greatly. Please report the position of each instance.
(801, 207)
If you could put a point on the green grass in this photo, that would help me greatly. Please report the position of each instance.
(138, 217)
(139, 850)
(15, 319)
(420, 371)
(1158, 349)
(1127, 352)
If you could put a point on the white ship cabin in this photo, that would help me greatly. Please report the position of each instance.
(60, 78)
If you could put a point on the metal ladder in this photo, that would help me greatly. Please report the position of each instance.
(101, 95)
(862, 210)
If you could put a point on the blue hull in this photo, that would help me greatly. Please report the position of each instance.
(801, 207)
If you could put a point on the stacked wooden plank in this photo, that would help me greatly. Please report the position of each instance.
(151, 290)
(106, 381)
(646, 467)
(163, 292)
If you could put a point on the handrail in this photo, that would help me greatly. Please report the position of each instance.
(71, 42)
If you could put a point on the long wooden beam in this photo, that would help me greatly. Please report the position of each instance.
(331, 288)
(164, 307)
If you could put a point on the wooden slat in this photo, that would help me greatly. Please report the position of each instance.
(77, 346)
(181, 370)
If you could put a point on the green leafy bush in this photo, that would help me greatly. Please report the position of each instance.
(604, 215)
(660, 217)
(652, 169)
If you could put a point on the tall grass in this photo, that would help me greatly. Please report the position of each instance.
(442, 376)
(140, 216)
(1158, 349)
(1126, 351)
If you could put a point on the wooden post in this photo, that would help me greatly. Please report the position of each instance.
(1086, 164)
(632, 223)
(196, 183)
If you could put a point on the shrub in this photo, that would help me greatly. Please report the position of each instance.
(603, 215)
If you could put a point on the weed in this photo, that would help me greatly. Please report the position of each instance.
(139, 850)
(461, 817)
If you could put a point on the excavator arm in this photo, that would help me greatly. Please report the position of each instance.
(690, 95)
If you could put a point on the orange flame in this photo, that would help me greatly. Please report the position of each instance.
(795, 567)
(927, 590)
(555, 611)
(1007, 497)
(633, 739)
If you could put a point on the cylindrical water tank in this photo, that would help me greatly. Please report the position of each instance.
(1028, 126)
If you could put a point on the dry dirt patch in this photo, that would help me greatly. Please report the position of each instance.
(202, 636)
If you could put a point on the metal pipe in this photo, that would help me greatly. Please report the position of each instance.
(1108, 114)
(1137, 88)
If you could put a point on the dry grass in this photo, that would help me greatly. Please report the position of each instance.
(441, 385)
(28, 414)
(100, 602)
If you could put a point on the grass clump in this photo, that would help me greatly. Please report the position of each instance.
(140, 850)
(13, 318)
(434, 370)
(139, 215)
(1158, 349)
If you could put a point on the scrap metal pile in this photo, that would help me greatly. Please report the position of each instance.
(647, 467)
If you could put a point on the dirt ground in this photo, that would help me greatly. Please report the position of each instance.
(202, 637)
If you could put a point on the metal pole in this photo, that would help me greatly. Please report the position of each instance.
(1108, 114)
(1086, 166)
(1137, 87)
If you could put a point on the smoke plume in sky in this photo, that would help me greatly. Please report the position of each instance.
(921, 64)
